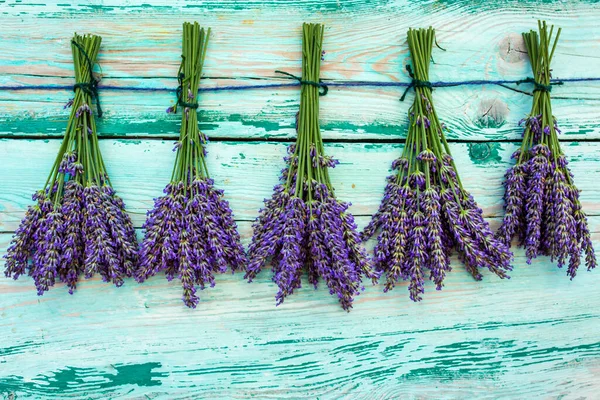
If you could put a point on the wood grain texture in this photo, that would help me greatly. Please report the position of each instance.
(249, 44)
(247, 172)
(533, 336)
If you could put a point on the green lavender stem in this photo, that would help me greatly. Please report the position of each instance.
(80, 134)
(190, 162)
(309, 134)
(537, 45)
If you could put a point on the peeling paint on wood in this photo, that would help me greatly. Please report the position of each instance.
(533, 336)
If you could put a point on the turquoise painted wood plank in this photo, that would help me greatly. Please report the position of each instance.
(374, 49)
(474, 113)
(58, 9)
(248, 171)
(533, 336)
(360, 44)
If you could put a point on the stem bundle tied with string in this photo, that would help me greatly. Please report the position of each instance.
(79, 225)
(426, 211)
(303, 226)
(190, 232)
(542, 205)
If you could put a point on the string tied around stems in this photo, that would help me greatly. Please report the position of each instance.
(90, 88)
(415, 83)
(539, 87)
(323, 89)
(179, 91)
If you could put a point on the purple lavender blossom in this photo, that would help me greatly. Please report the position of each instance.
(289, 267)
(67, 240)
(100, 252)
(318, 236)
(419, 227)
(46, 258)
(191, 234)
(439, 261)
(514, 199)
(382, 215)
(538, 169)
(417, 258)
(268, 231)
(349, 262)
(73, 250)
(23, 244)
(83, 109)
(542, 204)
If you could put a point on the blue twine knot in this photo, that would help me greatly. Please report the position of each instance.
(90, 88)
(323, 89)
(415, 83)
(539, 87)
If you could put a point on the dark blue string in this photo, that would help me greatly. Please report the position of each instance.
(294, 84)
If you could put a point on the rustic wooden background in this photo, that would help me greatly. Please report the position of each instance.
(534, 336)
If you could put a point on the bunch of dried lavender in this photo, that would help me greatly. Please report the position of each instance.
(426, 211)
(303, 226)
(79, 225)
(541, 201)
(190, 232)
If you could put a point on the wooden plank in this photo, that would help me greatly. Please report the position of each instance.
(166, 7)
(374, 49)
(533, 335)
(247, 171)
(474, 113)
(360, 44)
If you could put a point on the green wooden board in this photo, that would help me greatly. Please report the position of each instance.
(533, 336)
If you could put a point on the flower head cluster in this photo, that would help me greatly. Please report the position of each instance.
(303, 227)
(426, 212)
(79, 225)
(542, 205)
(190, 233)
(312, 232)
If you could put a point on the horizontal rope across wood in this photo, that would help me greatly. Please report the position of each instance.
(327, 83)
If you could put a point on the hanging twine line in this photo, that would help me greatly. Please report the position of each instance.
(538, 87)
(434, 84)
(90, 88)
(179, 92)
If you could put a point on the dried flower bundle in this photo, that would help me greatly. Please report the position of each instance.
(542, 205)
(79, 225)
(190, 232)
(303, 226)
(426, 212)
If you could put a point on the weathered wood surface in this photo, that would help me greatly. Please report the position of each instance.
(247, 171)
(249, 44)
(533, 336)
